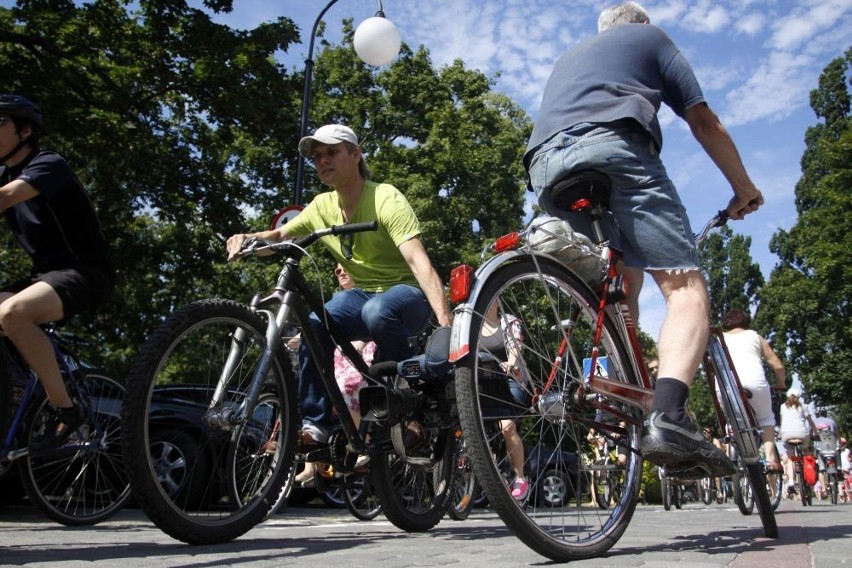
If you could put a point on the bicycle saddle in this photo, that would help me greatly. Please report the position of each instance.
(434, 361)
(591, 185)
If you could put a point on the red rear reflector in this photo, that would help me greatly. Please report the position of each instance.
(580, 204)
(507, 242)
(461, 280)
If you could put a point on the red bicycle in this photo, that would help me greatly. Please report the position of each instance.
(580, 355)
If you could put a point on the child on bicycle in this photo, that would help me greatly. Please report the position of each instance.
(398, 289)
(49, 212)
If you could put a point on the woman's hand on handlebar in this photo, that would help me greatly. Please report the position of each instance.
(234, 245)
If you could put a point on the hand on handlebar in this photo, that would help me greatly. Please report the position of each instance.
(234, 245)
(741, 205)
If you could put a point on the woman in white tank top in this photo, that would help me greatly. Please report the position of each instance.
(748, 351)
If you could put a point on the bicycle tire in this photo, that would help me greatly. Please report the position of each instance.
(86, 485)
(171, 389)
(603, 495)
(746, 434)
(833, 487)
(677, 496)
(743, 495)
(666, 486)
(553, 428)
(802, 487)
(465, 487)
(360, 497)
(775, 487)
(707, 490)
(415, 491)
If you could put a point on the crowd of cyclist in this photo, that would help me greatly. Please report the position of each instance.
(398, 291)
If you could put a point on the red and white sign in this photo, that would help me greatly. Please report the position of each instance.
(282, 217)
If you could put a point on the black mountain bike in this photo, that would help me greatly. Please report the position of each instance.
(245, 398)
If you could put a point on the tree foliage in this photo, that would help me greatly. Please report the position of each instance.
(185, 131)
(450, 144)
(806, 304)
(733, 278)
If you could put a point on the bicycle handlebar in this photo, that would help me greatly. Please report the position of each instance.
(717, 220)
(253, 245)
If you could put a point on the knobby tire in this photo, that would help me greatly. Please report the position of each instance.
(228, 480)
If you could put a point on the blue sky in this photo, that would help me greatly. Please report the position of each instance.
(757, 61)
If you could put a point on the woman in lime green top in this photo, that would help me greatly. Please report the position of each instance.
(398, 289)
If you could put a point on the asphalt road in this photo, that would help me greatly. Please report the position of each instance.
(697, 536)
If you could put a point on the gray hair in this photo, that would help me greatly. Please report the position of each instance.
(624, 13)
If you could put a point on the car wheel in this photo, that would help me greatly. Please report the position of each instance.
(553, 488)
(178, 460)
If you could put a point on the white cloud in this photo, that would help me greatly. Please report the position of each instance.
(773, 91)
(810, 21)
(750, 24)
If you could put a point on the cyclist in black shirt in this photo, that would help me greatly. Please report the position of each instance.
(51, 215)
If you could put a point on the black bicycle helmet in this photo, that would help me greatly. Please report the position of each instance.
(21, 107)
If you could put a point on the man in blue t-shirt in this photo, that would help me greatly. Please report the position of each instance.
(599, 112)
(51, 215)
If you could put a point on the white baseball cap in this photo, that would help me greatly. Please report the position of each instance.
(793, 391)
(328, 134)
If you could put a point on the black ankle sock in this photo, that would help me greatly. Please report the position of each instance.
(670, 397)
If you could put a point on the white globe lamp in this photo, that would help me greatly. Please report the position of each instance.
(377, 41)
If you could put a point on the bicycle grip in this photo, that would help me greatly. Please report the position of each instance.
(355, 228)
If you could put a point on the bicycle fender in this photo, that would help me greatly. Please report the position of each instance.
(463, 313)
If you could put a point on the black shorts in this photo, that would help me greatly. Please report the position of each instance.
(80, 289)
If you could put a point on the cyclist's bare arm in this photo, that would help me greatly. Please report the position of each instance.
(775, 363)
(15, 192)
(415, 255)
(716, 141)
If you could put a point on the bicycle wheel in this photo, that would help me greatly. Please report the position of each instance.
(202, 468)
(746, 435)
(743, 495)
(558, 314)
(84, 482)
(666, 486)
(707, 490)
(603, 495)
(803, 488)
(415, 491)
(359, 496)
(775, 487)
(465, 486)
(833, 487)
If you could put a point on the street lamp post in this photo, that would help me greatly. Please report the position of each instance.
(376, 41)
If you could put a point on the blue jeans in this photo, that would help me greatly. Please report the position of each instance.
(648, 221)
(389, 318)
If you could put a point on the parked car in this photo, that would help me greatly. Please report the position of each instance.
(554, 475)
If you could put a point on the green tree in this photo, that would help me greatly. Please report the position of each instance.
(184, 131)
(449, 143)
(175, 125)
(806, 303)
(733, 278)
